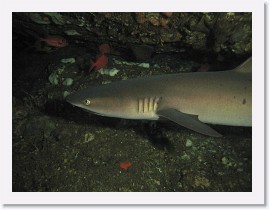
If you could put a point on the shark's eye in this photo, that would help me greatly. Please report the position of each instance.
(87, 102)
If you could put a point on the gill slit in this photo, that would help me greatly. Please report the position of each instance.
(148, 104)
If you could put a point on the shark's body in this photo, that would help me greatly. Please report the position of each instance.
(189, 99)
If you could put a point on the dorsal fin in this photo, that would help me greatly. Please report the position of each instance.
(245, 67)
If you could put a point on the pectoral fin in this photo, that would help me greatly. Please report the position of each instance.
(189, 121)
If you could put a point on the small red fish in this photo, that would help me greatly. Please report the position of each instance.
(104, 49)
(100, 62)
(125, 165)
(55, 41)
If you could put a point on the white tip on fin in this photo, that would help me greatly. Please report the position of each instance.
(245, 67)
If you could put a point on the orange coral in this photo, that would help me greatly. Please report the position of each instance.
(125, 165)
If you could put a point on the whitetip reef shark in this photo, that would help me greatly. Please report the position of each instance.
(188, 99)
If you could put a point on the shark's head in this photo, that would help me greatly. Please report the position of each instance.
(104, 100)
(97, 99)
(118, 99)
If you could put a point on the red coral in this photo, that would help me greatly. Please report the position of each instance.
(125, 165)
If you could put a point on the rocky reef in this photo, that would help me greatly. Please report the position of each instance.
(57, 147)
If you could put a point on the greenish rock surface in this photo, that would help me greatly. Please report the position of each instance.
(39, 18)
(65, 94)
(68, 82)
(68, 60)
(56, 17)
(143, 65)
(189, 143)
(111, 72)
(55, 76)
(72, 32)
